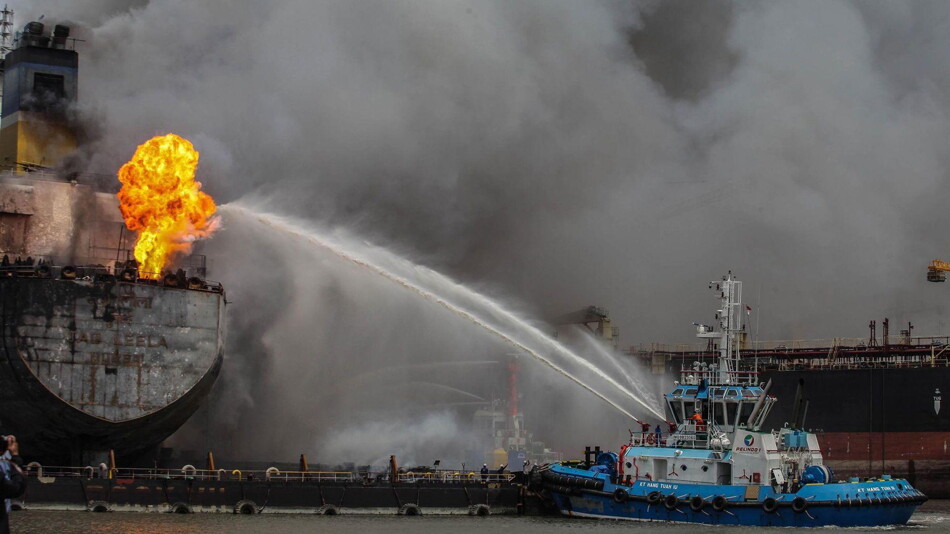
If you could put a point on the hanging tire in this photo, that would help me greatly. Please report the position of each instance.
(480, 510)
(245, 508)
(719, 503)
(180, 508)
(98, 506)
(697, 503)
(799, 504)
(410, 509)
(328, 509)
(671, 501)
(769, 505)
(620, 496)
(68, 273)
(654, 497)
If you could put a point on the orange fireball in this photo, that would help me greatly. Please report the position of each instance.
(161, 200)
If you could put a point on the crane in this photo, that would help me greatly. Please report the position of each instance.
(937, 272)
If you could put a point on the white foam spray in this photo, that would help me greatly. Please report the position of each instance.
(533, 341)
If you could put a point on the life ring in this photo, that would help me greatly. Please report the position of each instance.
(799, 504)
(769, 505)
(719, 503)
(671, 501)
(697, 503)
(620, 496)
(654, 497)
(651, 439)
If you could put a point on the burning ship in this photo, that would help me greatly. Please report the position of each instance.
(100, 351)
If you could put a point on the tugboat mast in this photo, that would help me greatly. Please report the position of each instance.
(730, 331)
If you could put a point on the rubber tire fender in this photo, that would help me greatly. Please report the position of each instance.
(180, 508)
(799, 504)
(410, 509)
(671, 501)
(719, 503)
(770, 505)
(480, 510)
(654, 497)
(697, 503)
(245, 507)
(328, 509)
(98, 506)
(620, 496)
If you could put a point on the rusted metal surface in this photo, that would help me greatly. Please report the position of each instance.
(94, 365)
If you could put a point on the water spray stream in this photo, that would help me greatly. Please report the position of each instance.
(285, 225)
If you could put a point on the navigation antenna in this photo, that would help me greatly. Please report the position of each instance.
(6, 22)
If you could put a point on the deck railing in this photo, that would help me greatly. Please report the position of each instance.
(271, 474)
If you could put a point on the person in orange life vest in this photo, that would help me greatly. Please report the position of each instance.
(698, 421)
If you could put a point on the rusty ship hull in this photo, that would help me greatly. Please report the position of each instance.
(97, 364)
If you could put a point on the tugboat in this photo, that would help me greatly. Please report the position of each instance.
(716, 465)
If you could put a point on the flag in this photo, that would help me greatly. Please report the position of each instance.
(748, 309)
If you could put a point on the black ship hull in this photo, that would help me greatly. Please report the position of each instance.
(873, 420)
(88, 366)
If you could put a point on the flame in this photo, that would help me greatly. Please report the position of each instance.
(161, 200)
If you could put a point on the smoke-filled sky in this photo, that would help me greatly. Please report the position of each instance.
(556, 154)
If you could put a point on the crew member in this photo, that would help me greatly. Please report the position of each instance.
(12, 482)
(659, 433)
(501, 469)
(697, 419)
(484, 471)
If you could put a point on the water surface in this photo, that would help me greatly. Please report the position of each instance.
(934, 516)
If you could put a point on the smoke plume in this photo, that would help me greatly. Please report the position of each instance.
(552, 154)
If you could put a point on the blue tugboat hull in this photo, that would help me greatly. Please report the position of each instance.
(855, 504)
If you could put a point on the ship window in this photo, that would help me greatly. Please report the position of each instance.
(678, 392)
(748, 393)
(112, 370)
(48, 90)
(745, 411)
(732, 393)
(719, 415)
(691, 391)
